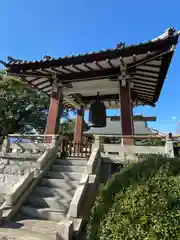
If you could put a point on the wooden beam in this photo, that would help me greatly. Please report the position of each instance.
(109, 97)
(115, 97)
(138, 118)
(79, 99)
(89, 75)
(111, 86)
(72, 102)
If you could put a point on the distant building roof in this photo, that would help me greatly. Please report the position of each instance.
(114, 128)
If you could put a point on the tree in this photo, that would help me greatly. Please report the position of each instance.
(67, 126)
(22, 106)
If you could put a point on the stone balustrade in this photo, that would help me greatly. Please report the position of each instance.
(19, 168)
(120, 152)
(84, 196)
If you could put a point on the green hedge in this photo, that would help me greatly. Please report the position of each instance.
(140, 202)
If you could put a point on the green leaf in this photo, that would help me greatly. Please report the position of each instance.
(142, 201)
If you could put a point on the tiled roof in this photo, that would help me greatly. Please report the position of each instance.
(169, 32)
(146, 67)
(114, 128)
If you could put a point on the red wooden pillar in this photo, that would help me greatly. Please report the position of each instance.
(126, 112)
(55, 109)
(78, 133)
(79, 126)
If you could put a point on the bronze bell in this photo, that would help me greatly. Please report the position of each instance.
(97, 113)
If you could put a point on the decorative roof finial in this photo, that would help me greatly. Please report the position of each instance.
(120, 45)
(3, 63)
(13, 60)
(170, 31)
(47, 58)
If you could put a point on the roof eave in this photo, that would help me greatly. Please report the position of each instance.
(169, 39)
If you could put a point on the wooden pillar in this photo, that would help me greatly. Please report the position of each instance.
(55, 109)
(126, 112)
(78, 133)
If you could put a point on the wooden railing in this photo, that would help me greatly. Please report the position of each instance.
(76, 149)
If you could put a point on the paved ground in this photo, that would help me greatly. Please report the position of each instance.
(21, 234)
(28, 229)
(39, 228)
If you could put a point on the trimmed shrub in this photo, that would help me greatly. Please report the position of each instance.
(142, 202)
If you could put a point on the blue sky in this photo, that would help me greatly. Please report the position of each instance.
(32, 28)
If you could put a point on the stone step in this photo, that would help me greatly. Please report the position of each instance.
(72, 162)
(54, 192)
(18, 217)
(61, 168)
(49, 202)
(43, 213)
(74, 176)
(76, 158)
(59, 183)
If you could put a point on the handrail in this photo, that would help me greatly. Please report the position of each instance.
(148, 136)
(92, 165)
(27, 182)
(32, 135)
(93, 162)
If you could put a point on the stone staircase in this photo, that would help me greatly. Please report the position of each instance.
(49, 202)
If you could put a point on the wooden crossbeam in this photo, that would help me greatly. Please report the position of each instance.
(136, 118)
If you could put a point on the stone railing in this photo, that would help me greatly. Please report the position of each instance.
(78, 196)
(24, 152)
(27, 173)
(92, 168)
(120, 152)
(94, 161)
(84, 196)
(26, 143)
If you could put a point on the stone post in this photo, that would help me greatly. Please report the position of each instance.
(169, 149)
(65, 230)
(96, 143)
(5, 146)
(1, 217)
